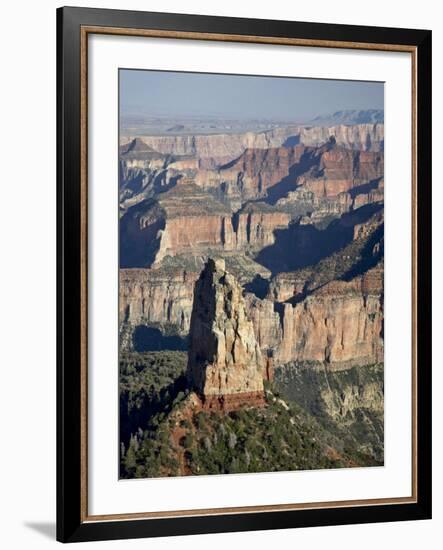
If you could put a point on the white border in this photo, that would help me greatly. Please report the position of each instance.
(107, 495)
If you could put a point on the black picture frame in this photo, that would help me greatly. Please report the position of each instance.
(71, 524)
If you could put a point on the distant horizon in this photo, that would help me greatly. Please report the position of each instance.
(162, 94)
(209, 117)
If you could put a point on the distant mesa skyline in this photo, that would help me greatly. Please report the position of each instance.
(242, 98)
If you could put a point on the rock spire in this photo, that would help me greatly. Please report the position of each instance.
(225, 364)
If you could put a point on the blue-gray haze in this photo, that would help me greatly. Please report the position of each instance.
(162, 93)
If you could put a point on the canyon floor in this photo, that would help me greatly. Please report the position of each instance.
(251, 299)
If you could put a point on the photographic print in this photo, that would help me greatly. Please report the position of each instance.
(221, 290)
(251, 295)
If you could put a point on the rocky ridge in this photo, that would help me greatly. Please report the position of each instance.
(365, 137)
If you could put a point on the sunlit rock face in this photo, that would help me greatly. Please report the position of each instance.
(364, 137)
(157, 297)
(339, 325)
(338, 170)
(225, 364)
(187, 220)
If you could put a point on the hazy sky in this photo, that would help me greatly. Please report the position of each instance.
(241, 97)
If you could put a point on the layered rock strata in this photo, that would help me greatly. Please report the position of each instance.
(254, 171)
(339, 170)
(157, 297)
(250, 208)
(340, 324)
(364, 137)
(225, 364)
(186, 220)
(325, 171)
(331, 312)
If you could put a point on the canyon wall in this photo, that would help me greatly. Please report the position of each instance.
(156, 297)
(272, 174)
(340, 323)
(340, 170)
(186, 220)
(365, 137)
(195, 234)
(283, 209)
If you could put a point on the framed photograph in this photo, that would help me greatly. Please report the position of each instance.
(244, 274)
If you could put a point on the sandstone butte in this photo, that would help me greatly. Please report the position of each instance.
(225, 364)
(188, 220)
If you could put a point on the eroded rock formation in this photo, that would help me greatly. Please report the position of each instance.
(157, 297)
(257, 170)
(340, 324)
(365, 137)
(225, 364)
(329, 313)
(187, 220)
(339, 170)
(296, 212)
